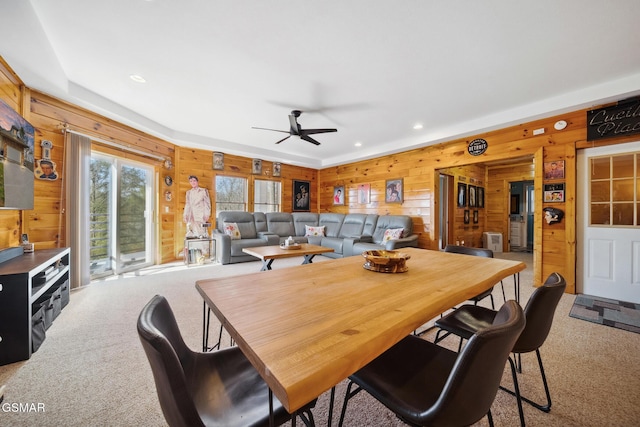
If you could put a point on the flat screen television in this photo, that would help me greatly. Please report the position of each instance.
(16, 160)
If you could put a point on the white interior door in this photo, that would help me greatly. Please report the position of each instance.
(608, 263)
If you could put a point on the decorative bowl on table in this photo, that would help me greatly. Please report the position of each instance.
(384, 261)
(290, 246)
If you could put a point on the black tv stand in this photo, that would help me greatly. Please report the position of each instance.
(24, 280)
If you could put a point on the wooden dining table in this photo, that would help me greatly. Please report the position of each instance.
(308, 327)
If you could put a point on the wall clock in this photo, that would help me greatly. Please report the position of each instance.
(168, 180)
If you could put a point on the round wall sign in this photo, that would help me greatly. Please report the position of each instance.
(477, 147)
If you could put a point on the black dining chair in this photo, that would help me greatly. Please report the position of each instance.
(539, 312)
(219, 388)
(481, 252)
(425, 384)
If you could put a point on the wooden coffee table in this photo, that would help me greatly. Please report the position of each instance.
(270, 253)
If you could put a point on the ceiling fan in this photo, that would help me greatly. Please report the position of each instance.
(296, 129)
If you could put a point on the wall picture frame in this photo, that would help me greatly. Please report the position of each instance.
(338, 195)
(393, 191)
(256, 167)
(301, 196)
(554, 193)
(364, 193)
(462, 194)
(473, 200)
(218, 161)
(467, 215)
(554, 169)
(480, 197)
(277, 168)
(476, 216)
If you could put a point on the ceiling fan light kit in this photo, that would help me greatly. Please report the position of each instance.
(296, 130)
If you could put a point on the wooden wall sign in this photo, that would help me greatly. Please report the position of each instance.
(622, 119)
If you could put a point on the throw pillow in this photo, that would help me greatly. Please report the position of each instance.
(231, 228)
(313, 231)
(392, 234)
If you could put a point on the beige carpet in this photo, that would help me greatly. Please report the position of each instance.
(91, 370)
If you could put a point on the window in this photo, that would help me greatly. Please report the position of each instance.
(231, 194)
(615, 190)
(266, 196)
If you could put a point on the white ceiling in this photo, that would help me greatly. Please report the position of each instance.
(370, 68)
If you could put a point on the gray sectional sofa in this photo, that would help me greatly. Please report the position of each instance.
(346, 234)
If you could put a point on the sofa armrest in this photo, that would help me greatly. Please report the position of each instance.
(223, 247)
(271, 238)
(348, 242)
(404, 242)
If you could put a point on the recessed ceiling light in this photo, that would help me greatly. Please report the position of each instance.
(138, 79)
(417, 126)
(358, 144)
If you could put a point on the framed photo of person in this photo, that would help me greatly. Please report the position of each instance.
(338, 195)
(472, 196)
(475, 216)
(466, 216)
(480, 197)
(256, 168)
(276, 169)
(364, 193)
(393, 191)
(554, 169)
(218, 161)
(554, 193)
(301, 197)
(462, 195)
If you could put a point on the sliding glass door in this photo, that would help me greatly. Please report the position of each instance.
(121, 215)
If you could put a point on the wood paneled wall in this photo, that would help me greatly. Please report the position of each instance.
(513, 154)
(200, 163)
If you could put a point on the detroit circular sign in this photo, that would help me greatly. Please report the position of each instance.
(477, 147)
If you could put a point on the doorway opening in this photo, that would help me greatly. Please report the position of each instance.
(521, 210)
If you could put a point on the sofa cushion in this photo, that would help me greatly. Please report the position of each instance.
(231, 229)
(300, 219)
(280, 223)
(244, 220)
(386, 222)
(314, 231)
(353, 225)
(332, 223)
(392, 234)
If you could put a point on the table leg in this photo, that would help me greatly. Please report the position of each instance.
(308, 259)
(266, 264)
(205, 326)
(516, 286)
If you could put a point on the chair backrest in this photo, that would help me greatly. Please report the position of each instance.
(466, 250)
(474, 380)
(167, 354)
(539, 312)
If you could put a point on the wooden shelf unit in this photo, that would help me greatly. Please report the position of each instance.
(23, 281)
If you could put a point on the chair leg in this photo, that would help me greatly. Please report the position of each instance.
(504, 295)
(493, 306)
(490, 418)
(348, 395)
(544, 408)
(517, 394)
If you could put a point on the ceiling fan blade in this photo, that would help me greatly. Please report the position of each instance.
(286, 137)
(274, 130)
(309, 139)
(313, 131)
